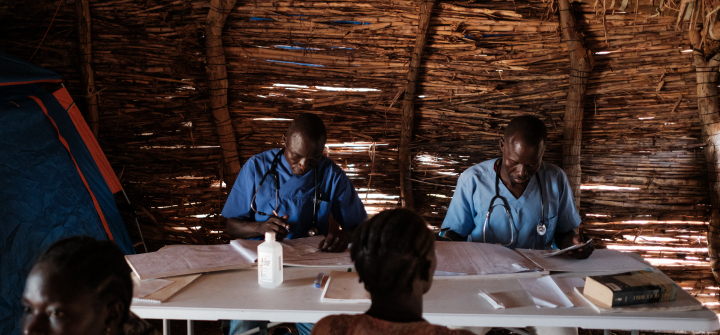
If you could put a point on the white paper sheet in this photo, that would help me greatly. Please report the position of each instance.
(143, 288)
(480, 259)
(601, 260)
(545, 292)
(186, 259)
(299, 252)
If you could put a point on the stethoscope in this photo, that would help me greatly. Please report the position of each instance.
(273, 171)
(541, 228)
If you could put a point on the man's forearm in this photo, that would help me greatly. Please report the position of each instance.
(237, 228)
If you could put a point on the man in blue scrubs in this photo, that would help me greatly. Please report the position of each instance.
(536, 195)
(286, 202)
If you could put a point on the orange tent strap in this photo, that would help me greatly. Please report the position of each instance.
(63, 96)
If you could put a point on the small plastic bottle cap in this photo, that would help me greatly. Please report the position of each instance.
(270, 236)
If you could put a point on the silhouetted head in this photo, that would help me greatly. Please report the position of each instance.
(78, 286)
(304, 143)
(393, 249)
(523, 147)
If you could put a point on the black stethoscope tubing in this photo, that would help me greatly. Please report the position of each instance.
(276, 176)
(541, 228)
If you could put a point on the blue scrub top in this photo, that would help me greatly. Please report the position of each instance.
(476, 187)
(296, 194)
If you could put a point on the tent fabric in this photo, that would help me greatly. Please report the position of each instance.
(42, 194)
(63, 96)
(14, 71)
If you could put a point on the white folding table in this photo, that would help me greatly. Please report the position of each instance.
(452, 302)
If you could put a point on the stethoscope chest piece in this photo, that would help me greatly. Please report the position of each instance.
(541, 229)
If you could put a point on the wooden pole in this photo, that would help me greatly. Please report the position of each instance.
(87, 77)
(707, 75)
(408, 113)
(218, 82)
(581, 64)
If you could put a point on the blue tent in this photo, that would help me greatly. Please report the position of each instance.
(55, 181)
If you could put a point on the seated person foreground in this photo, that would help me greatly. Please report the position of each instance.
(81, 286)
(394, 254)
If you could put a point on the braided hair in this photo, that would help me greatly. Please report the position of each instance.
(391, 249)
(97, 265)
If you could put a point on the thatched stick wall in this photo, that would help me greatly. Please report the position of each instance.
(581, 63)
(408, 114)
(84, 23)
(645, 186)
(218, 82)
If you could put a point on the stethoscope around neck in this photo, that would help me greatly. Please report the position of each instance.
(273, 171)
(541, 227)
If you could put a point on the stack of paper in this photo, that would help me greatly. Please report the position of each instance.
(471, 258)
(159, 290)
(187, 259)
(601, 260)
(345, 287)
(298, 252)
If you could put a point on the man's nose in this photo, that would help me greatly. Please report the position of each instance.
(36, 324)
(302, 164)
(524, 171)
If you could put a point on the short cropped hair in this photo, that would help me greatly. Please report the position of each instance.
(97, 265)
(391, 249)
(309, 126)
(529, 129)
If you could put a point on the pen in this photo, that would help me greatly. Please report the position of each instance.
(318, 280)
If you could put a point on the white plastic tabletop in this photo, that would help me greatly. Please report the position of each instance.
(452, 302)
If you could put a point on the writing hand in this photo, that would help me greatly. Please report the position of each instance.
(336, 240)
(277, 224)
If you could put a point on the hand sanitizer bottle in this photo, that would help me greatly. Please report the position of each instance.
(270, 262)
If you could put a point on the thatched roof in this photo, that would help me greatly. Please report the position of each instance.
(643, 167)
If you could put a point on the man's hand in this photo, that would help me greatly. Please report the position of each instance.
(277, 224)
(572, 238)
(336, 240)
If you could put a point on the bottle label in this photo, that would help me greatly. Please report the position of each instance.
(265, 264)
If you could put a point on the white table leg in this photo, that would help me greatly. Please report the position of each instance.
(607, 332)
(634, 332)
(190, 331)
(166, 327)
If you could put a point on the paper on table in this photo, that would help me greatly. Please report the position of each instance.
(480, 258)
(567, 285)
(299, 252)
(545, 292)
(176, 284)
(143, 288)
(601, 260)
(554, 252)
(345, 287)
(186, 259)
(491, 300)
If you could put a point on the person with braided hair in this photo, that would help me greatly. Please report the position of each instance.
(81, 286)
(394, 254)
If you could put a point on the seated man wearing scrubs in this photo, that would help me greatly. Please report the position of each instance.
(516, 200)
(295, 192)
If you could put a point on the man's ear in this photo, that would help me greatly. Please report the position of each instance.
(284, 140)
(502, 144)
(114, 314)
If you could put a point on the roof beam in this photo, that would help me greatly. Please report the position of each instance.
(218, 83)
(82, 7)
(408, 115)
(581, 64)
